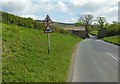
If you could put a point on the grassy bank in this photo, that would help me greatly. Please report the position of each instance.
(25, 57)
(112, 39)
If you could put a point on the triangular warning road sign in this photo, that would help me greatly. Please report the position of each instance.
(48, 29)
(47, 20)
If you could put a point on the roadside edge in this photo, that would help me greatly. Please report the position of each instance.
(70, 74)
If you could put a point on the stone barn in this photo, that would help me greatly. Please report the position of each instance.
(79, 31)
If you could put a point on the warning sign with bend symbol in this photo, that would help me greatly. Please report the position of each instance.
(47, 20)
(48, 29)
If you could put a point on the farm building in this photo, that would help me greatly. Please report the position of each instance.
(80, 31)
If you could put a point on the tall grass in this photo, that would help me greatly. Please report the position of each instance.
(25, 57)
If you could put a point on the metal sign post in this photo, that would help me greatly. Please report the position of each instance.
(48, 30)
(48, 35)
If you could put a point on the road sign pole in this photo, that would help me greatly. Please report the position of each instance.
(48, 34)
(48, 30)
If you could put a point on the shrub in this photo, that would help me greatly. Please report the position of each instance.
(59, 30)
(113, 29)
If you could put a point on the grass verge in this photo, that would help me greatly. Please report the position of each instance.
(112, 39)
(25, 57)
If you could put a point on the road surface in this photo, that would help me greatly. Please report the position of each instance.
(96, 61)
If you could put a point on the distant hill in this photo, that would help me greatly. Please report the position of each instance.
(59, 23)
(39, 20)
(64, 23)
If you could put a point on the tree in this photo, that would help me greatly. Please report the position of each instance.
(116, 22)
(101, 21)
(87, 20)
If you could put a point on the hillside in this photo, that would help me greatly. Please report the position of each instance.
(60, 24)
(25, 57)
(20, 21)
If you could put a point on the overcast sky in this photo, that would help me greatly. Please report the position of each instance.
(61, 10)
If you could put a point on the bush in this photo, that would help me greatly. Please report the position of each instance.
(113, 29)
(60, 30)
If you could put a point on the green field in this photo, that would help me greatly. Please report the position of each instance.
(112, 39)
(25, 57)
(94, 32)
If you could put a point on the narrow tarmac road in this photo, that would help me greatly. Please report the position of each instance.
(96, 61)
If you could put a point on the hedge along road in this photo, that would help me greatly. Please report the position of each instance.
(96, 61)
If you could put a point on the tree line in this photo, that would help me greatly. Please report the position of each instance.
(24, 22)
(87, 21)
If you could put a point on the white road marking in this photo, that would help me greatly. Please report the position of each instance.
(110, 54)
